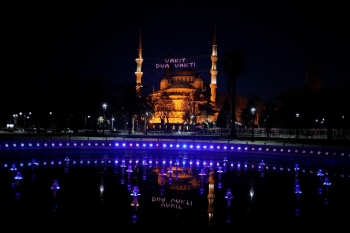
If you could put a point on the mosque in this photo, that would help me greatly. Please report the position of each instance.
(183, 98)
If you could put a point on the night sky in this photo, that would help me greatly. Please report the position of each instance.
(47, 41)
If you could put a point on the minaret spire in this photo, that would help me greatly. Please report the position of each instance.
(213, 70)
(139, 61)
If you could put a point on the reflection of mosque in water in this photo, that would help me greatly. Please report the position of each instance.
(177, 178)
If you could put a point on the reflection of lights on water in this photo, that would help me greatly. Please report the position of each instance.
(297, 189)
(13, 167)
(319, 172)
(251, 193)
(296, 168)
(202, 173)
(229, 195)
(326, 181)
(18, 176)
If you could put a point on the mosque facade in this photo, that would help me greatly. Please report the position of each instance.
(183, 97)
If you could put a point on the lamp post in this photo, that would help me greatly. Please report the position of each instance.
(253, 116)
(112, 119)
(297, 116)
(15, 120)
(51, 121)
(85, 121)
(104, 106)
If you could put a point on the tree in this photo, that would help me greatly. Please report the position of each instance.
(206, 107)
(164, 107)
(133, 100)
(233, 65)
(188, 107)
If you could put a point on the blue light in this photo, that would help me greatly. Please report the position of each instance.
(297, 189)
(55, 185)
(18, 176)
(319, 173)
(326, 181)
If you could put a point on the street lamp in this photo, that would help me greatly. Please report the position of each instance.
(104, 106)
(253, 116)
(15, 120)
(51, 121)
(85, 121)
(297, 116)
(112, 119)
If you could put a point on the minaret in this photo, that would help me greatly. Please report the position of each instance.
(213, 70)
(139, 60)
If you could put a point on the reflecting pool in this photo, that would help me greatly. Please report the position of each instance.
(171, 190)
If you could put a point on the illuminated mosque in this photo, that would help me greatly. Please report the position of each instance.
(183, 96)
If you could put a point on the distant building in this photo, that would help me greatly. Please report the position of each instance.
(183, 97)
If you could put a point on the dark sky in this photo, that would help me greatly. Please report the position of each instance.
(46, 41)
